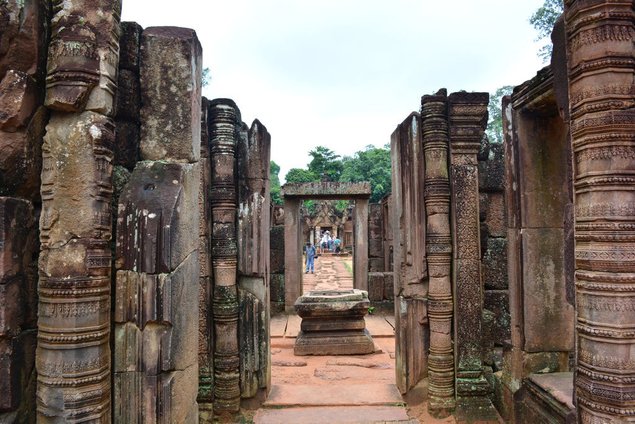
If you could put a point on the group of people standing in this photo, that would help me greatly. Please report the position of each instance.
(327, 243)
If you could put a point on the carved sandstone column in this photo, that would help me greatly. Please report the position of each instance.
(468, 117)
(600, 36)
(73, 354)
(438, 253)
(254, 222)
(156, 325)
(224, 119)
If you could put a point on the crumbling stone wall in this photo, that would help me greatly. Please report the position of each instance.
(380, 279)
(24, 32)
(496, 318)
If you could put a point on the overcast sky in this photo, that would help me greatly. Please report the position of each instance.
(344, 73)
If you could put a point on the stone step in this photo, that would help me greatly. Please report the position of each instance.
(301, 395)
(334, 415)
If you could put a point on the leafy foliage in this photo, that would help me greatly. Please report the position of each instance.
(274, 181)
(299, 175)
(371, 164)
(325, 164)
(495, 124)
(543, 21)
(206, 77)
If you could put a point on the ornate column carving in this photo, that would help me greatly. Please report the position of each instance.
(601, 66)
(73, 354)
(468, 118)
(224, 121)
(438, 253)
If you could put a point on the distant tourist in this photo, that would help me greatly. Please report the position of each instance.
(337, 242)
(324, 242)
(310, 257)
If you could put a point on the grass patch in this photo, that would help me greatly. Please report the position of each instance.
(349, 266)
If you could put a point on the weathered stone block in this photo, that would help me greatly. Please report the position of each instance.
(158, 217)
(328, 329)
(494, 264)
(16, 238)
(170, 71)
(128, 96)
(491, 173)
(376, 264)
(23, 36)
(12, 310)
(277, 288)
(21, 158)
(375, 286)
(492, 212)
(18, 100)
(83, 56)
(496, 317)
(544, 292)
(276, 252)
(127, 144)
(389, 286)
(129, 44)
(376, 248)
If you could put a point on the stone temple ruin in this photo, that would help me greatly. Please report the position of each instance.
(141, 259)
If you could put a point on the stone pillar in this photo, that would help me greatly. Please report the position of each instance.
(254, 222)
(410, 268)
(224, 121)
(438, 253)
(73, 354)
(156, 325)
(601, 67)
(360, 251)
(205, 322)
(468, 118)
(292, 252)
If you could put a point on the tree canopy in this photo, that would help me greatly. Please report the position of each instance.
(495, 124)
(543, 21)
(274, 181)
(371, 164)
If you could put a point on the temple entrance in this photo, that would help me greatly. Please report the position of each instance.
(294, 237)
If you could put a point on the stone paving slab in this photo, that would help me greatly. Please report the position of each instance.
(278, 325)
(288, 395)
(377, 326)
(334, 414)
(293, 326)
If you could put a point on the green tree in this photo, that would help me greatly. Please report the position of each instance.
(495, 124)
(206, 77)
(543, 21)
(299, 175)
(373, 165)
(274, 183)
(325, 164)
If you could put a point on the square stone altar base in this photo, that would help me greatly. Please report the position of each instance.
(333, 323)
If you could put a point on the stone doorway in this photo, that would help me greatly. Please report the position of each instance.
(293, 195)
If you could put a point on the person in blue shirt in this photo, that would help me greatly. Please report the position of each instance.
(310, 257)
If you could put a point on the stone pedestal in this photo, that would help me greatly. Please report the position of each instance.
(333, 323)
